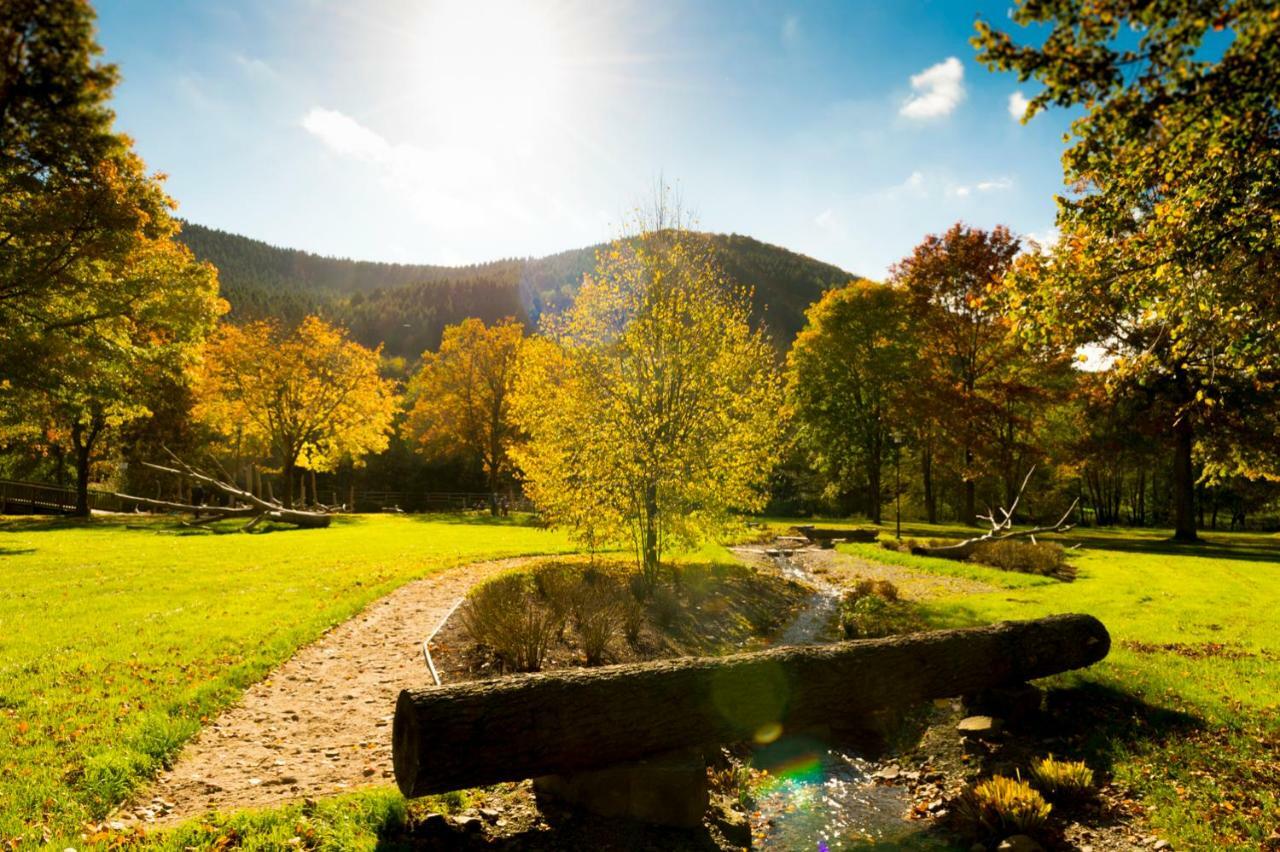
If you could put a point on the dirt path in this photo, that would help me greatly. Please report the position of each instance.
(845, 570)
(321, 723)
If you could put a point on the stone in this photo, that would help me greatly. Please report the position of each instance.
(980, 726)
(471, 825)
(489, 814)
(434, 827)
(665, 790)
(1162, 844)
(734, 826)
(889, 773)
(1019, 843)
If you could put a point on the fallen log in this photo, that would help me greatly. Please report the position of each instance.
(508, 729)
(825, 534)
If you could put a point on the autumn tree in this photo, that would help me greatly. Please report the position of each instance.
(652, 405)
(98, 302)
(1170, 242)
(965, 345)
(462, 397)
(310, 395)
(847, 376)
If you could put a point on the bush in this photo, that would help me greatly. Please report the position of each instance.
(1043, 558)
(1003, 806)
(872, 609)
(600, 614)
(507, 614)
(557, 585)
(1062, 780)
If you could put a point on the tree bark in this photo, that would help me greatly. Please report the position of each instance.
(1184, 485)
(930, 499)
(82, 441)
(970, 491)
(289, 469)
(650, 534)
(526, 726)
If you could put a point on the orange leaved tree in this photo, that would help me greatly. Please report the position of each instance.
(309, 396)
(462, 397)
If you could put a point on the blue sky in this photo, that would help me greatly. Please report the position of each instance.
(459, 132)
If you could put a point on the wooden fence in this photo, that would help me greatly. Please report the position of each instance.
(35, 498)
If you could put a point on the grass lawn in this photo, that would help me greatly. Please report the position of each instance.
(119, 638)
(1187, 705)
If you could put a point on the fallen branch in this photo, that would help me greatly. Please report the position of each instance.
(244, 503)
(1001, 529)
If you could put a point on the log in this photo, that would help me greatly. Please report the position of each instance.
(824, 534)
(508, 729)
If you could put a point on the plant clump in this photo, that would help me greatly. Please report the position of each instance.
(1062, 780)
(1026, 557)
(508, 615)
(873, 608)
(1002, 806)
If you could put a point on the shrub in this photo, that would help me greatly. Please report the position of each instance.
(1062, 780)
(557, 585)
(600, 615)
(1002, 806)
(508, 615)
(872, 609)
(1043, 558)
(632, 618)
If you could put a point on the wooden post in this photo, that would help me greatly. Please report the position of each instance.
(512, 728)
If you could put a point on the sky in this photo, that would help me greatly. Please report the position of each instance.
(439, 132)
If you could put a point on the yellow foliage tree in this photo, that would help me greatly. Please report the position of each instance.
(311, 396)
(462, 397)
(651, 407)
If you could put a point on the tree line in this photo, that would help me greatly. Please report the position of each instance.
(656, 402)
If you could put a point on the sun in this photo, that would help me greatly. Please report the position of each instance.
(492, 69)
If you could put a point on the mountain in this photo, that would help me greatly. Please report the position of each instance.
(406, 306)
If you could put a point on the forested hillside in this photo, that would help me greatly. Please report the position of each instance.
(406, 307)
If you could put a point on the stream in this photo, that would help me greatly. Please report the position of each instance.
(813, 796)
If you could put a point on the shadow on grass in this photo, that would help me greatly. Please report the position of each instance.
(1245, 548)
(475, 519)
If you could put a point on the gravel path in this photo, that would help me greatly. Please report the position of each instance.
(845, 570)
(321, 723)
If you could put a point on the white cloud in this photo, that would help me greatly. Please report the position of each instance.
(1018, 106)
(993, 185)
(939, 90)
(997, 184)
(828, 221)
(1045, 239)
(444, 182)
(344, 135)
(790, 29)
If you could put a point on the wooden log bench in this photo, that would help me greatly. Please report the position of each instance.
(571, 725)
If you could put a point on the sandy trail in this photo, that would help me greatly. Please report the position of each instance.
(321, 723)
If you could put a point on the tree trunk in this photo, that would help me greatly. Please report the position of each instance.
(527, 726)
(930, 499)
(970, 491)
(1184, 485)
(493, 490)
(83, 441)
(649, 548)
(289, 468)
(874, 492)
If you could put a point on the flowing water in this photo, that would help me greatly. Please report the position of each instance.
(814, 797)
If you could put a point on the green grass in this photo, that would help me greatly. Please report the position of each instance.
(119, 638)
(115, 643)
(1194, 728)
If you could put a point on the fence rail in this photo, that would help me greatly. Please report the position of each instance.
(37, 498)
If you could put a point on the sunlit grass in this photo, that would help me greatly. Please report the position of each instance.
(118, 639)
(1193, 727)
